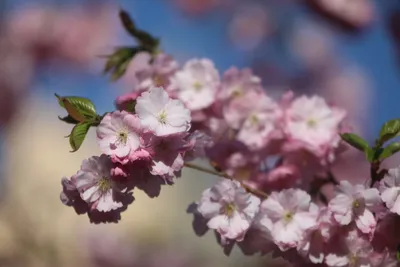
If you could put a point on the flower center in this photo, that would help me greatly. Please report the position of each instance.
(352, 259)
(162, 117)
(122, 137)
(197, 86)
(158, 81)
(312, 123)
(104, 184)
(237, 91)
(229, 209)
(288, 217)
(253, 120)
(356, 204)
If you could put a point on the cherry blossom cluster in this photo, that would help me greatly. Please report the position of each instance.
(356, 228)
(269, 144)
(275, 156)
(145, 149)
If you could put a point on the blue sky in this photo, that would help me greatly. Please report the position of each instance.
(372, 51)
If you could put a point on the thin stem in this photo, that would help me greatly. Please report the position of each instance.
(206, 170)
(254, 191)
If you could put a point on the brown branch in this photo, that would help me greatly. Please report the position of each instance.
(254, 191)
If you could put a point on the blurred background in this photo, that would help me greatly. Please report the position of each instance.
(345, 50)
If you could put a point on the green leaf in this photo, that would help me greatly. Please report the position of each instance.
(119, 71)
(79, 108)
(78, 134)
(398, 253)
(390, 150)
(355, 141)
(127, 21)
(120, 56)
(389, 130)
(144, 38)
(68, 119)
(370, 154)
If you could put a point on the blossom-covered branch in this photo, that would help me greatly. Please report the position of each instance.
(274, 158)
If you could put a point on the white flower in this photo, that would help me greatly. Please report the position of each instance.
(311, 123)
(118, 134)
(95, 185)
(355, 203)
(197, 83)
(229, 209)
(286, 216)
(390, 190)
(161, 114)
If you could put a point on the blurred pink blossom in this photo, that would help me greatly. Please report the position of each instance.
(249, 26)
(77, 33)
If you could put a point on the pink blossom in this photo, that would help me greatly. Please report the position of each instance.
(312, 125)
(159, 73)
(350, 248)
(94, 191)
(146, 71)
(390, 190)
(198, 143)
(355, 203)
(96, 186)
(119, 134)
(261, 124)
(229, 209)
(250, 26)
(358, 13)
(236, 83)
(77, 34)
(287, 215)
(314, 244)
(161, 114)
(166, 153)
(196, 84)
(239, 108)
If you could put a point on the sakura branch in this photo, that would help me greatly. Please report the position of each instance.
(274, 156)
(255, 192)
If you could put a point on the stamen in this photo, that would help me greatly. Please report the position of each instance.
(253, 120)
(288, 217)
(229, 209)
(104, 184)
(311, 123)
(356, 204)
(197, 86)
(122, 137)
(162, 117)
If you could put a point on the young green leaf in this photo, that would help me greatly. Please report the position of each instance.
(120, 56)
(389, 130)
(145, 39)
(355, 141)
(119, 71)
(127, 21)
(79, 108)
(78, 134)
(68, 119)
(390, 150)
(369, 154)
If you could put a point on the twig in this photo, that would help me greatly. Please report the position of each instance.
(254, 191)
